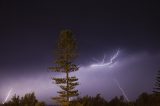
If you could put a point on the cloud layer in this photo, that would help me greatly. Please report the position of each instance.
(134, 72)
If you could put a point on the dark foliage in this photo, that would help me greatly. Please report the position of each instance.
(89, 101)
(148, 100)
(143, 100)
(157, 83)
(28, 100)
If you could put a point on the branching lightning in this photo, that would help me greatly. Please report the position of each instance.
(9, 93)
(108, 64)
(122, 90)
(102, 64)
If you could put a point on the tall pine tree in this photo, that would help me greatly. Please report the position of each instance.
(65, 54)
(157, 83)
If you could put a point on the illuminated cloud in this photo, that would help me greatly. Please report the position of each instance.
(92, 80)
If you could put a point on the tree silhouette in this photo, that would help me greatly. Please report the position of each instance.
(157, 83)
(65, 54)
(28, 100)
(89, 101)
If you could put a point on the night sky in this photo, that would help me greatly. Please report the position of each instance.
(29, 32)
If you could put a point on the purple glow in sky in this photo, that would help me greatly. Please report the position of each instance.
(111, 63)
(93, 80)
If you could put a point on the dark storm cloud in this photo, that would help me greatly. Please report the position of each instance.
(105, 24)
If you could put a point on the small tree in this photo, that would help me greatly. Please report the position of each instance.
(65, 54)
(157, 83)
(28, 100)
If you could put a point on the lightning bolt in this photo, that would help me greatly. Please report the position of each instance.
(122, 90)
(108, 64)
(9, 93)
(102, 64)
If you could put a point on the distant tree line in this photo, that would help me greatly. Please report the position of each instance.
(28, 100)
(144, 99)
